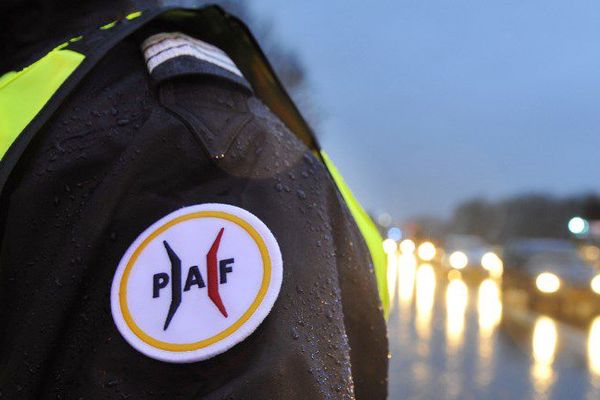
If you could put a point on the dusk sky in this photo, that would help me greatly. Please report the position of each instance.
(427, 103)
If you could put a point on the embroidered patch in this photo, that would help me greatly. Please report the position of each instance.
(196, 283)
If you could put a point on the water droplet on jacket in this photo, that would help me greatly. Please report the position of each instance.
(112, 383)
(294, 333)
(308, 159)
(301, 194)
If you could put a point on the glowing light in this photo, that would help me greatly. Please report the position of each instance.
(407, 246)
(392, 272)
(591, 252)
(458, 260)
(547, 282)
(578, 226)
(425, 295)
(493, 264)
(384, 219)
(489, 307)
(544, 349)
(426, 251)
(454, 274)
(394, 233)
(457, 296)
(595, 284)
(593, 347)
(407, 267)
(389, 246)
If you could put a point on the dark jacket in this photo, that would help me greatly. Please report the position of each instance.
(126, 149)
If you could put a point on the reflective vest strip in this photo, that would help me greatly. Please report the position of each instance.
(368, 230)
(23, 94)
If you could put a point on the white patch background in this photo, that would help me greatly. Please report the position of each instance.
(197, 317)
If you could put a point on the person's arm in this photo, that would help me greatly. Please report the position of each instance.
(121, 155)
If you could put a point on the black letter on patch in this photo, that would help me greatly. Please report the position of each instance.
(160, 281)
(224, 269)
(193, 278)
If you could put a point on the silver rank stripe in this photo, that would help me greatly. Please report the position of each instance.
(166, 46)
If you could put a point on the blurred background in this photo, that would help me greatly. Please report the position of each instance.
(469, 130)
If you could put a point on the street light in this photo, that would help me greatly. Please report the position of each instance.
(578, 226)
(426, 251)
(458, 260)
(595, 284)
(547, 282)
(493, 264)
(394, 233)
(407, 246)
(389, 246)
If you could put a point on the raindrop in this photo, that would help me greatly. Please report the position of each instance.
(112, 383)
(294, 333)
(308, 159)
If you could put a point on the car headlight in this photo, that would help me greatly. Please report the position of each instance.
(493, 264)
(547, 282)
(458, 260)
(407, 246)
(595, 284)
(426, 251)
(389, 246)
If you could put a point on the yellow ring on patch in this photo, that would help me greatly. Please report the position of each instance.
(221, 335)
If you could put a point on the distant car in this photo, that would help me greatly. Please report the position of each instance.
(471, 254)
(519, 250)
(549, 258)
(553, 278)
(565, 264)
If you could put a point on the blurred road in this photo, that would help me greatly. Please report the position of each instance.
(455, 339)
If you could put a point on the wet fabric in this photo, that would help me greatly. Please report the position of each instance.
(122, 152)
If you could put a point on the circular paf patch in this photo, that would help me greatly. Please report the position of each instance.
(196, 283)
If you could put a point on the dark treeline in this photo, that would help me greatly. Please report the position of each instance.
(532, 215)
